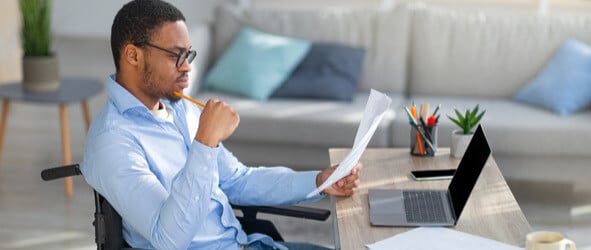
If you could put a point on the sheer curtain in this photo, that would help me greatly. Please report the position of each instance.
(10, 47)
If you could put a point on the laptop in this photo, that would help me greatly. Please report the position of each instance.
(426, 207)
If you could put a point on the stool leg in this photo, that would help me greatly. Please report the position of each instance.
(68, 185)
(5, 108)
(86, 114)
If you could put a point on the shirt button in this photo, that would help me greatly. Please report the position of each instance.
(208, 156)
(197, 197)
(205, 168)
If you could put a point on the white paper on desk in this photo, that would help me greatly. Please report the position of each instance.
(377, 105)
(438, 238)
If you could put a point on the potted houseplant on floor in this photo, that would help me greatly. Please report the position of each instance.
(40, 64)
(460, 138)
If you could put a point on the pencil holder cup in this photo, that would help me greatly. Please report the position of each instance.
(423, 143)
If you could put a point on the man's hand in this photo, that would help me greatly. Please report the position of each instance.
(343, 187)
(217, 122)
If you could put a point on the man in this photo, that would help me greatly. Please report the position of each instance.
(160, 161)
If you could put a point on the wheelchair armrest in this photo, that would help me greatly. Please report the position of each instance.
(60, 172)
(291, 211)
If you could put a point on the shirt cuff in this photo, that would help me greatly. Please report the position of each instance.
(202, 156)
(304, 183)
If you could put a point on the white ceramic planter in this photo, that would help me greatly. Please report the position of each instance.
(459, 143)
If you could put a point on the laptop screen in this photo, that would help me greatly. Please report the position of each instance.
(468, 171)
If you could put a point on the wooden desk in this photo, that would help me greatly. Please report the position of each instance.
(70, 90)
(491, 211)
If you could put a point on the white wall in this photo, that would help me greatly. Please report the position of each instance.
(93, 19)
(76, 19)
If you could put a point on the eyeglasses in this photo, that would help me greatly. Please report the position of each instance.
(189, 55)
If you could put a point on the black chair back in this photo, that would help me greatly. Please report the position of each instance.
(107, 223)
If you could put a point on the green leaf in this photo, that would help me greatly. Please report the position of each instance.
(455, 121)
(460, 116)
(474, 112)
(468, 120)
(477, 119)
(36, 27)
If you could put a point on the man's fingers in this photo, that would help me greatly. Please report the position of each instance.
(347, 185)
(350, 185)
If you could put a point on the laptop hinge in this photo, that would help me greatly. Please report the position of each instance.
(451, 205)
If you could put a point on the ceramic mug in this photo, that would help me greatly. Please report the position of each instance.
(544, 240)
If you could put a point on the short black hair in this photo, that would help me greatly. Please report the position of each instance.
(136, 22)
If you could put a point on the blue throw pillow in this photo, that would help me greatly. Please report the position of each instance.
(256, 64)
(329, 71)
(564, 85)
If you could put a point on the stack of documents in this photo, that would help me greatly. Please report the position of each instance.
(377, 105)
(439, 238)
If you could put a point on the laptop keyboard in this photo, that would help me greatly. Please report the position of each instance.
(423, 206)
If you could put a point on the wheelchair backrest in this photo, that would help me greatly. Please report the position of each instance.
(107, 225)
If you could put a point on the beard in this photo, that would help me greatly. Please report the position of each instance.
(153, 87)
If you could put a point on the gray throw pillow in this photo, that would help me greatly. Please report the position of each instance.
(328, 71)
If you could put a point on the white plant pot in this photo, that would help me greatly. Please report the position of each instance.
(459, 143)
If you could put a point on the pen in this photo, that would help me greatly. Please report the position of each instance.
(411, 118)
(425, 128)
(436, 109)
(413, 112)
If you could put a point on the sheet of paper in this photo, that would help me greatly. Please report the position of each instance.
(377, 105)
(439, 239)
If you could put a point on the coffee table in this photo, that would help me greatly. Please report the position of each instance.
(70, 90)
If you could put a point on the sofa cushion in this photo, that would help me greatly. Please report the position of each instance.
(511, 127)
(256, 64)
(487, 53)
(303, 122)
(383, 33)
(329, 71)
(564, 85)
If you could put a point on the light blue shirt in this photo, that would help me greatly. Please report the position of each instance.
(172, 191)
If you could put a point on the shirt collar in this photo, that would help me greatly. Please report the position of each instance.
(121, 97)
(124, 100)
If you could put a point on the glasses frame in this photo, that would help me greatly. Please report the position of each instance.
(188, 55)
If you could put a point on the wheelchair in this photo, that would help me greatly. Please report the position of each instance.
(108, 227)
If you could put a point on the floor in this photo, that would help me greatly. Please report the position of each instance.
(36, 215)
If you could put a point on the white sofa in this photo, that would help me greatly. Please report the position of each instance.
(455, 56)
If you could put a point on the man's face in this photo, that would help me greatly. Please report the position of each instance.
(161, 76)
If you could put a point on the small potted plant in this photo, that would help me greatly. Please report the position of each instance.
(40, 65)
(460, 138)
